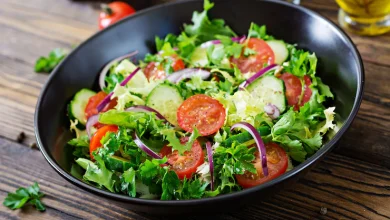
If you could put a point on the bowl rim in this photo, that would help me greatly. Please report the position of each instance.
(138, 201)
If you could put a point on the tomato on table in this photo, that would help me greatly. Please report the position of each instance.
(156, 71)
(294, 90)
(93, 102)
(114, 12)
(94, 144)
(184, 165)
(202, 112)
(277, 163)
(254, 63)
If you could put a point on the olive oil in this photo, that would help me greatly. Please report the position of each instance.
(365, 17)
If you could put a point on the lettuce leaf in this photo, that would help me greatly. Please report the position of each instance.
(206, 29)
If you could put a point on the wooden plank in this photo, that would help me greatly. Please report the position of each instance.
(348, 188)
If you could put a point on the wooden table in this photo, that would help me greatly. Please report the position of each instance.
(353, 182)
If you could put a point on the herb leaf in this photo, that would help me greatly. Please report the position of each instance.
(47, 64)
(23, 195)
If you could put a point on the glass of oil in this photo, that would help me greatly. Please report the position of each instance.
(365, 17)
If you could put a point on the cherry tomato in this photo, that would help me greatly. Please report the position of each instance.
(93, 102)
(203, 112)
(114, 12)
(99, 134)
(184, 165)
(277, 162)
(156, 71)
(254, 63)
(294, 90)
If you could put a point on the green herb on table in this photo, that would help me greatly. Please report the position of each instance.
(22, 196)
(47, 64)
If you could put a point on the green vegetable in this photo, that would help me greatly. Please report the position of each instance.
(97, 173)
(301, 63)
(229, 161)
(23, 196)
(206, 29)
(256, 31)
(245, 136)
(47, 64)
(175, 143)
(81, 146)
(128, 182)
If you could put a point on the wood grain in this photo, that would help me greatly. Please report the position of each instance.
(348, 188)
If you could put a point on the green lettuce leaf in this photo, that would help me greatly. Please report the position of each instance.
(206, 29)
(256, 31)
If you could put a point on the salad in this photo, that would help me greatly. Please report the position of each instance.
(210, 113)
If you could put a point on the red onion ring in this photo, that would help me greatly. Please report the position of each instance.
(145, 148)
(107, 99)
(143, 108)
(90, 123)
(214, 42)
(272, 111)
(187, 74)
(103, 73)
(211, 163)
(259, 142)
(257, 75)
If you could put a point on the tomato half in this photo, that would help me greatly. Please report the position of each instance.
(93, 102)
(277, 162)
(202, 112)
(184, 165)
(99, 134)
(114, 12)
(294, 90)
(156, 71)
(254, 63)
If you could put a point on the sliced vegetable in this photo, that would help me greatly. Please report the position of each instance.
(94, 144)
(211, 163)
(94, 119)
(166, 99)
(106, 68)
(272, 111)
(203, 112)
(78, 104)
(263, 55)
(245, 136)
(106, 100)
(259, 143)
(269, 90)
(94, 101)
(145, 148)
(143, 108)
(259, 74)
(184, 165)
(187, 74)
(118, 164)
(277, 163)
(280, 50)
(295, 96)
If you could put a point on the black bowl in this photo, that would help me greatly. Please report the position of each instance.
(340, 66)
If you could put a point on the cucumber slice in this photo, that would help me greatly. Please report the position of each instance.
(166, 99)
(78, 104)
(280, 50)
(117, 163)
(269, 90)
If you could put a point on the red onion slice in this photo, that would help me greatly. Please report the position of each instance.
(90, 123)
(107, 99)
(143, 108)
(107, 67)
(145, 148)
(257, 75)
(272, 111)
(259, 143)
(211, 163)
(187, 74)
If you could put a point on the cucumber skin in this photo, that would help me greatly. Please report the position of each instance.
(245, 136)
(72, 118)
(119, 165)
